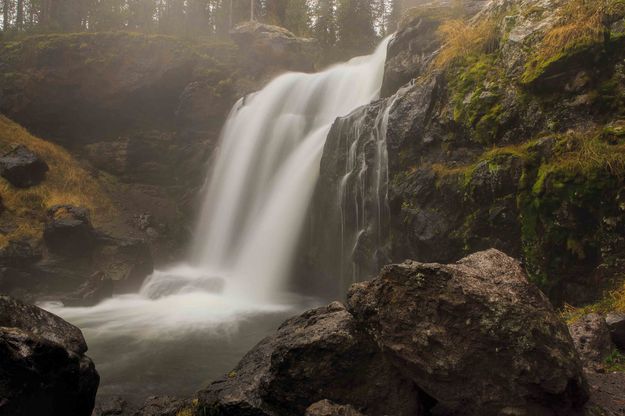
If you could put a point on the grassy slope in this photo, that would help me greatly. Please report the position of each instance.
(66, 183)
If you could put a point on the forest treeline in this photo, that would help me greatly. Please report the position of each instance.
(354, 25)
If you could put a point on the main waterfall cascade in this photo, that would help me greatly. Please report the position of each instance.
(255, 205)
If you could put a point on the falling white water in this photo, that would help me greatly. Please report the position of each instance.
(265, 173)
(255, 203)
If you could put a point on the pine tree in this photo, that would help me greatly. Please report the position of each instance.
(324, 27)
(356, 34)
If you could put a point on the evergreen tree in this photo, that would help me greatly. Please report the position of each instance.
(355, 21)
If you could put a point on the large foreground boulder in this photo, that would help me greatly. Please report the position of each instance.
(43, 369)
(318, 355)
(476, 336)
(22, 168)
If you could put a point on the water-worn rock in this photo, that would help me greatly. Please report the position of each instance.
(23, 168)
(616, 324)
(591, 336)
(318, 355)
(68, 231)
(127, 262)
(328, 408)
(162, 406)
(476, 336)
(43, 370)
(97, 288)
(29, 318)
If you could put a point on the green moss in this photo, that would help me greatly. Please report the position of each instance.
(476, 92)
(615, 362)
(542, 66)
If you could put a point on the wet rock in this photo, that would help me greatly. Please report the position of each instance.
(42, 367)
(127, 262)
(616, 324)
(591, 336)
(163, 406)
(112, 406)
(328, 408)
(411, 51)
(446, 325)
(315, 356)
(29, 318)
(275, 46)
(96, 289)
(68, 231)
(22, 168)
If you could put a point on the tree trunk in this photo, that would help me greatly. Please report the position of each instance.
(19, 15)
(252, 10)
(5, 15)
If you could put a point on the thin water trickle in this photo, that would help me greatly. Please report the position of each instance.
(232, 289)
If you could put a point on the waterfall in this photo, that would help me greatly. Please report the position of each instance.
(256, 200)
(264, 174)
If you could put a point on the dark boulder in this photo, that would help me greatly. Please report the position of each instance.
(318, 355)
(96, 289)
(476, 336)
(616, 324)
(328, 408)
(68, 231)
(43, 370)
(164, 406)
(591, 336)
(29, 318)
(22, 168)
(110, 406)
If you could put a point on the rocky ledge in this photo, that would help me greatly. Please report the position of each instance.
(470, 338)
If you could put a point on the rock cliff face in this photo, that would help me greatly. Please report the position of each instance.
(501, 133)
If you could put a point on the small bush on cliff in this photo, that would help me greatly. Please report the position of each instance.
(66, 183)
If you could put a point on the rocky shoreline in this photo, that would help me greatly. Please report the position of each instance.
(469, 338)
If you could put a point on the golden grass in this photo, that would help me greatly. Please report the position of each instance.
(614, 301)
(66, 183)
(580, 22)
(462, 38)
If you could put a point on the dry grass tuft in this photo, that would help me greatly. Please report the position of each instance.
(613, 302)
(581, 23)
(66, 183)
(462, 39)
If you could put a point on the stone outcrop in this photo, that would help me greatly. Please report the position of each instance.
(616, 325)
(476, 336)
(591, 336)
(318, 355)
(328, 408)
(43, 369)
(22, 168)
(275, 47)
